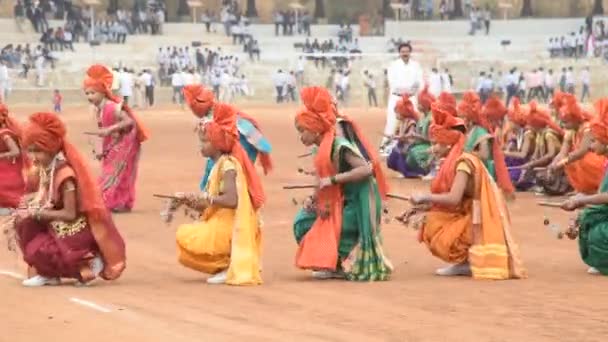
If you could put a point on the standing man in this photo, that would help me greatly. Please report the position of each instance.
(405, 76)
(586, 82)
(4, 80)
(370, 84)
(148, 82)
(435, 83)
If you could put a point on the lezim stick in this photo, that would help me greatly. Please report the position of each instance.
(90, 133)
(305, 155)
(399, 197)
(164, 196)
(299, 186)
(549, 204)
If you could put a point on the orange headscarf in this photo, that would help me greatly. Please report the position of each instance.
(572, 112)
(540, 118)
(599, 126)
(442, 131)
(223, 135)
(494, 109)
(517, 114)
(405, 108)
(470, 108)
(99, 78)
(558, 100)
(319, 100)
(48, 133)
(199, 99)
(425, 99)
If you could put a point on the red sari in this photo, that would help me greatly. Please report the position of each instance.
(65, 249)
(12, 184)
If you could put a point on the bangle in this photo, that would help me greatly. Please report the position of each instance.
(211, 200)
(333, 180)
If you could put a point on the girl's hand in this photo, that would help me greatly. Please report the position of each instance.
(323, 182)
(419, 199)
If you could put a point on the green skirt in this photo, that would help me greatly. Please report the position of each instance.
(360, 245)
(418, 158)
(593, 237)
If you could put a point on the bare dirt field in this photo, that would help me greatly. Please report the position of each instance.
(158, 300)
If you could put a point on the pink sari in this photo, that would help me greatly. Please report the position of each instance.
(12, 183)
(119, 163)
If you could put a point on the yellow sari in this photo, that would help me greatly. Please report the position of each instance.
(479, 230)
(224, 238)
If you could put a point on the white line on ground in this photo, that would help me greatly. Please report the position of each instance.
(90, 305)
(12, 274)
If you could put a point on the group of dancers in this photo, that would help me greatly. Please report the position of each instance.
(477, 154)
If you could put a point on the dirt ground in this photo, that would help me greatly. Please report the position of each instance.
(159, 300)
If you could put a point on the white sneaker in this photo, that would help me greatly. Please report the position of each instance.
(324, 275)
(219, 278)
(454, 270)
(97, 265)
(593, 270)
(37, 281)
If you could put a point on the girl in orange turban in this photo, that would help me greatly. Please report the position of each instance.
(410, 156)
(226, 240)
(201, 101)
(338, 230)
(584, 168)
(481, 140)
(12, 161)
(592, 222)
(65, 231)
(464, 220)
(122, 133)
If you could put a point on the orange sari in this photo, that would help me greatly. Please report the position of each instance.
(478, 230)
(585, 175)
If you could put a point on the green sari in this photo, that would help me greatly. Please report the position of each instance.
(418, 156)
(361, 256)
(593, 233)
(476, 135)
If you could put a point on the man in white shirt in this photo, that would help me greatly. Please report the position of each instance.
(4, 80)
(126, 85)
(586, 82)
(300, 70)
(549, 84)
(148, 83)
(446, 81)
(570, 82)
(280, 81)
(370, 84)
(177, 82)
(435, 86)
(404, 76)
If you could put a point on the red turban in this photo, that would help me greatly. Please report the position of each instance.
(599, 126)
(539, 118)
(572, 112)
(223, 135)
(494, 109)
(425, 99)
(449, 102)
(558, 100)
(99, 78)
(199, 99)
(517, 114)
(405, 108)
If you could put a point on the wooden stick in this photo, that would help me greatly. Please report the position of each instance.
(164, 196)
(90, 133)
(399, 197)
(540, 169)
(299, 186)
(305, 155)
(549, 204)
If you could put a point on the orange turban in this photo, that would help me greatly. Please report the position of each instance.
(99, 78)
(405, 108)
(425, 99)
(571, 111)
(494, 109)
(558, 100)
(449, 102)
(599, 126)
(199, 99)
(539, 118)
(223, 135)
(443, 131)
(470, 108)
(517, 114)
